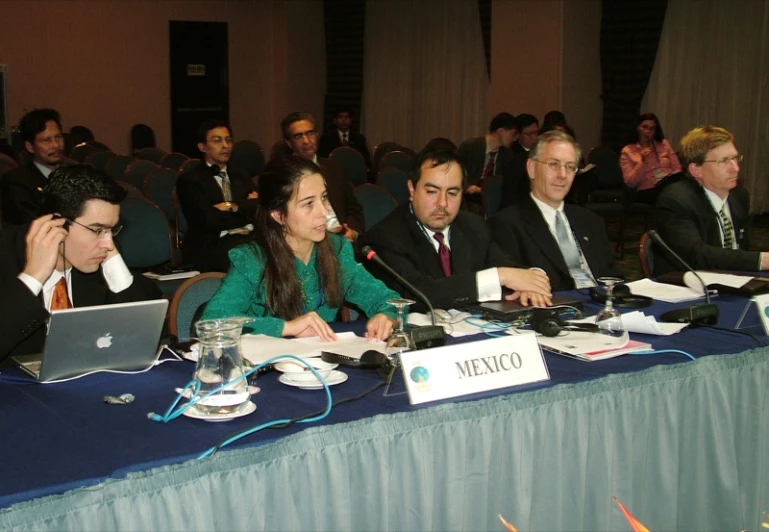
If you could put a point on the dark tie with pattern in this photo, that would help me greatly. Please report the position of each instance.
(226, 190)
(488, 170)
(728, 228)
(345, 142)
(443, 254)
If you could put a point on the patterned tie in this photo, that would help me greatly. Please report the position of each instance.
(60, 298)
(571, 254)
(488, 170)
(728, 228)
(344, 139)
(444, 254)
(226, 190)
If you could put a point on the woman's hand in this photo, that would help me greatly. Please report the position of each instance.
(309, 324)
(379, 327)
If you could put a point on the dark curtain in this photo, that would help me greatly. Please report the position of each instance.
(484, 9)
(344, 22)
(630, 34)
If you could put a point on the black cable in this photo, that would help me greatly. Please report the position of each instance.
(735, 331)
(334, 404)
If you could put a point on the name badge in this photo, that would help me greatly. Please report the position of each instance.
(472, 367)
(762, 304)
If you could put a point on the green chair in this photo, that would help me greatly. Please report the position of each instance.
(352, 163)
(376, 202)
(188, 300)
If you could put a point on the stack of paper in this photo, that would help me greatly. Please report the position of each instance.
(590, 346)
(664, 292)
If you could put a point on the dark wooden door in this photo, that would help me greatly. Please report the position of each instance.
(199, 79)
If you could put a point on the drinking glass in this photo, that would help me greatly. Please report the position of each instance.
(399, 341)
(609, 320)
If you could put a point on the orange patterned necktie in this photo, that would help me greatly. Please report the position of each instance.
(60, 298)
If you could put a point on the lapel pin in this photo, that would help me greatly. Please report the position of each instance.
(586, 239)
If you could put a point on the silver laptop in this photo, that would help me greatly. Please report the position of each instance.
(122, 337)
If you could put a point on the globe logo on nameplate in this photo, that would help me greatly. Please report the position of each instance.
(766, 311)
(419, 374)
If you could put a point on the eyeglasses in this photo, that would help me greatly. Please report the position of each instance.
(723, 161)
(570, 168)
(309, 134)
(220, 140)
(100, 232)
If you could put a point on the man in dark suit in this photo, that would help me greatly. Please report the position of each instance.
(343, 136)
(22, 188)
(301, 135)
(483, 157)
(567, 241)
(515, 178)
(218, 202)
(446, 253)
(64, 258)
(705, 216)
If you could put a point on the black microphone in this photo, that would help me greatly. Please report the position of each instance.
(424, 337)
(702, 314)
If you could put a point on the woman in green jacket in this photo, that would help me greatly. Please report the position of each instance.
(294, 277)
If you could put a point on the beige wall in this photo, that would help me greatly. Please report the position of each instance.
(104, 63)
(545, 56)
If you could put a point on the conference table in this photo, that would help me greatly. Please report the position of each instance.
(683, 444)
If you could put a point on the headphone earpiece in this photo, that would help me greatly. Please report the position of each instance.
(547, 323)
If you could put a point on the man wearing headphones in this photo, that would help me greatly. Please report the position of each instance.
(64, 258)
(447, 253)
(566, 241)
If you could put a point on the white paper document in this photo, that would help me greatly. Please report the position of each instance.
(664, 292)
(725, 279)
(257, 348)
(638, 322)
(453, 322)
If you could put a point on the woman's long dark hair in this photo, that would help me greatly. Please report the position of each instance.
(659, 135)
(285, 295)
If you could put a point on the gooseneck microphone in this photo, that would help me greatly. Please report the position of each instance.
(424, 337)
(702, 314)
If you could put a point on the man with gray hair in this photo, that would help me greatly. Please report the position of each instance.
(567, 241)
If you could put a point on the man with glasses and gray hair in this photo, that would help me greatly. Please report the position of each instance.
(64, 258)
(568, 242)
(705, 216)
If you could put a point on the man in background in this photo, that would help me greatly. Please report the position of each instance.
(343, 135)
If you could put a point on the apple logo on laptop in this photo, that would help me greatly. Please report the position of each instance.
(105, 341)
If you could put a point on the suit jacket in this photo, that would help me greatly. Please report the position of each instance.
(330, 140)
(516, 184)
(23, 315)
(472, 154)
(400, 242)
(341, 195)
(523, 233)
(22, 194)
(685, 218)
(198, 192)
(517, 148)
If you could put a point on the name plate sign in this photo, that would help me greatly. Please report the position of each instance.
(472, 367)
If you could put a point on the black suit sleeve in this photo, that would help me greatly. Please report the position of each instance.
(20, 198)
(198, 205)
(22, 316)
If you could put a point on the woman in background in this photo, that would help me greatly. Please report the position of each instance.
(648, 160)
(294, 277)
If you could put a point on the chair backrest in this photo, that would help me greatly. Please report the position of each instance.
(380, 150)
(142, 136)
(188, 298)
(117, 165)
(189, 165)
(646, 255)
(352, 163)
(376, 202)
(491, 194)
(99, 159)
(607, 169)
(137, 172)
(151, 153)
(397, 159)
(80, 134)
(7, 164)
(145, 240)
(180, 222)
(394, 181)
(159, 188)
(174, 160)
(81, 151)
(247, 156)
(133, 192)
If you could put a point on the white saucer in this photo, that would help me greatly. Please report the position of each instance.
(194, 413)
(336, 377)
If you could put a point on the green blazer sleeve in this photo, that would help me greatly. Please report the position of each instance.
(242, 293)
(360, 287)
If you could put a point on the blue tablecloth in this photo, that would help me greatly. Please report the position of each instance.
(62, 436)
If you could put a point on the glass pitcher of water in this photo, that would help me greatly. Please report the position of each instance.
(220, 365)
